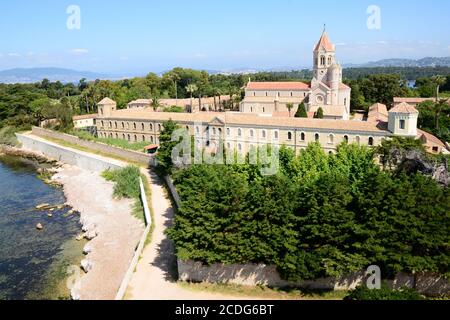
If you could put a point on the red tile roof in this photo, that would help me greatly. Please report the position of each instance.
(277, 86)
(325, 43)
(404, 108)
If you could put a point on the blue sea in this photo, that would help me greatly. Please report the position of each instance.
(34, 264)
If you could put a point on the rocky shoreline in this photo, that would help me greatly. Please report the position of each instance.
(108, 226)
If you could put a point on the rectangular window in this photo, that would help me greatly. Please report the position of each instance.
(402, 124)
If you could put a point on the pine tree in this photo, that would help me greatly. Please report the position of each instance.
(319, 113)
(301, 111)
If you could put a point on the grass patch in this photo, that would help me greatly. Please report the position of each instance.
(103, 154)
(8, 135)
(264, 292)
(127, 186)
(124, 144)
(148, 194)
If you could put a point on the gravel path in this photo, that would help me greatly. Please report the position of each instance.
(155, 275)
(118, 231)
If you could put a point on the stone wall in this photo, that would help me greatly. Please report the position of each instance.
(70, 156)
(130, 155)
(267, 275)
(258, 274)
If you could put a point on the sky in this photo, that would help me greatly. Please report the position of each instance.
(140, 36)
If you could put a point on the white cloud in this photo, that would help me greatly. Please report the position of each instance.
(13, 54)
(341, 44)
(123, 58)
(79, 51)
(383, 42)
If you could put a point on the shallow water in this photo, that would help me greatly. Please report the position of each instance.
(33, 264)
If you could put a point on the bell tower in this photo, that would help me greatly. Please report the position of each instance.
(324, 57)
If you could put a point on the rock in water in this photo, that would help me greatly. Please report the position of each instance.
(86, 265)
(39, 226)
(91, 235)
(49, 215)
(42, 206)
(80, 237)
(87, 249)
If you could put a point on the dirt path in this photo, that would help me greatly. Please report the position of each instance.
(118, 231)
(155, 275)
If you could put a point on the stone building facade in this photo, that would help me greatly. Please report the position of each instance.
(326, 90)
(242, 131)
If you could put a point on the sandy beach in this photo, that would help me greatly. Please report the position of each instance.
(115, 231)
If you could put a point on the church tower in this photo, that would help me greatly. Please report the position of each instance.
(324, 57)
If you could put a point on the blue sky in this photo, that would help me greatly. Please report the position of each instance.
(138, 36)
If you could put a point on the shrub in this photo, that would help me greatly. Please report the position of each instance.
(126, 181)
(364, 293)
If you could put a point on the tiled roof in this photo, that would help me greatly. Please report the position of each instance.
(378, 112)
(330, 111)
(85, 116)
(343, 86)
(238, 118)
(325, 43)
(277, 86)
(429, 138)
(106, 101)
(404, 108)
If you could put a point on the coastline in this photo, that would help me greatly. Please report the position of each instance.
(110, 228)
(109, 231)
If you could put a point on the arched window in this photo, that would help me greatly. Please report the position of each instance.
(322, 60)
(370, 141)
(123, 136)
(239, 133)
(239, 147)
(331, 139)
(302, 136)
(102, 123)
(228, 131)
(129, 138)
(275, 135)
(159, 127)
(187, 128)
(264, 134)
(197, 129)
(151, 139)
(143, 127)
(289, 135)
(151, 126)
(115, 125)
(251, 109)
(134, 126)
(143, 138)
(110, 124)
(123, 125)
(358, 139)
(117, 136)
(317, 137)
(346, 138)
(220, 131)
(135, 138)
(252, 134)
(329, 60)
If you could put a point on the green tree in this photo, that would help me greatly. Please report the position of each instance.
(301, 111)
(289, 106)
(319, 113)
(164, 155)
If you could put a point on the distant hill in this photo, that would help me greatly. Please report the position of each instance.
(31, 75)
(424, 62)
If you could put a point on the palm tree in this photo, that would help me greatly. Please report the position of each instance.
(289, 106)
(438, 81)
(439, 105)
(155, 103)
(191, 89)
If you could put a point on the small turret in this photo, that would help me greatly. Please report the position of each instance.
(403, 120)
(106, 107)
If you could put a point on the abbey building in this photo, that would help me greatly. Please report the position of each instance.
(326, 90)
